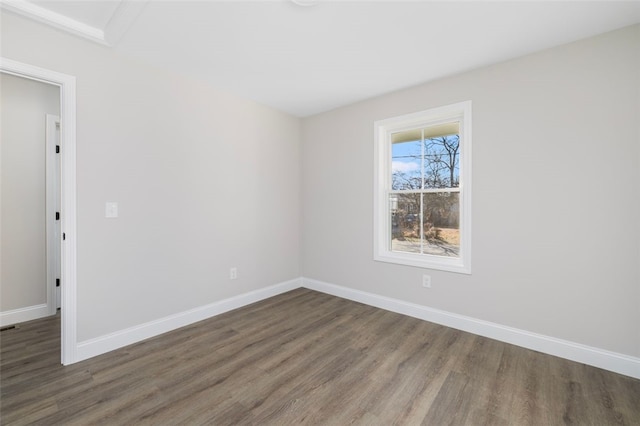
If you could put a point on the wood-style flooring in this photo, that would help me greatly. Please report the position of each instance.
(305, 357)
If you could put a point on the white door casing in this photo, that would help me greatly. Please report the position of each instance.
(68, 273)
(54, 236)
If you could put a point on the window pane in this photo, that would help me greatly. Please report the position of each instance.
(406, 162)
(442, 162)
(404, 212)
(422, 215)
(441, 223)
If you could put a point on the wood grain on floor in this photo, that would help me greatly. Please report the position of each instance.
(305, 357)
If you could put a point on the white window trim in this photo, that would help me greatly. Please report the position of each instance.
(382, 187)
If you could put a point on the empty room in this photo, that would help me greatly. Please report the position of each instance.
(320, 212)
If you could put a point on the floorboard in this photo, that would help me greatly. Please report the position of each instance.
(305, 357)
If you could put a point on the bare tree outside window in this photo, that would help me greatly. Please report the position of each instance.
(426, 219)
(422, 182)
(442, 169)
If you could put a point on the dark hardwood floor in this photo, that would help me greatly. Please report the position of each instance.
(306, 358)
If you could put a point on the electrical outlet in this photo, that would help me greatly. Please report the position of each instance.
(233, 273)
(111, 209)
(426, 281)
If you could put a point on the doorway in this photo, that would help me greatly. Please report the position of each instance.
(66, 86)
(29, 250)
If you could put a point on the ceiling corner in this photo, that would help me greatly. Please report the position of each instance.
(122, 19)
(118, 23)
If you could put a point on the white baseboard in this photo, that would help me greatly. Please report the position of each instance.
(100, 345)
(612, 361)
(29, 313)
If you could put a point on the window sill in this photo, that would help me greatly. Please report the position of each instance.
(421, 261)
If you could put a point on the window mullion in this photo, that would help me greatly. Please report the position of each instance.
(422, 193)
(425, 191)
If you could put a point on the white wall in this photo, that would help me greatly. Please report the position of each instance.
(24, 104)
(556, 202)
(204, 180)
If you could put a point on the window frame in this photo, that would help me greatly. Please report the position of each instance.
(383, 129)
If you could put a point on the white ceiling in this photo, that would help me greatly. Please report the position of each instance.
(309, 59)
(95, 13)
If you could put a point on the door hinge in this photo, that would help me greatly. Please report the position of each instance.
(57, 215)
(64, 236)
(57, 149)
(57, 282)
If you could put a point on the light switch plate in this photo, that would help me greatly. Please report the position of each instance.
(111, 209)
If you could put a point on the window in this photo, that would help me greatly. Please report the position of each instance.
(422, 212)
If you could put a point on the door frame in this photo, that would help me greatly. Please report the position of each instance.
(67, 85)
(52, 191)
